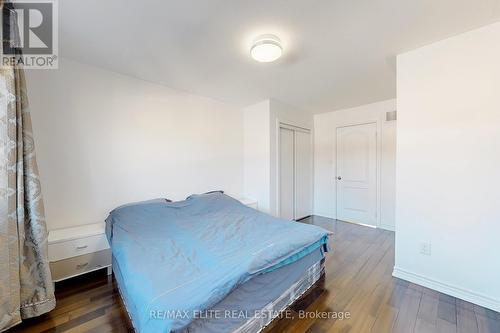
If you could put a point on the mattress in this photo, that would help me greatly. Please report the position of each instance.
(175, 259)
(253, 305)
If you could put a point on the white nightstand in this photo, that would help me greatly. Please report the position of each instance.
(78, 250)
(249, 202)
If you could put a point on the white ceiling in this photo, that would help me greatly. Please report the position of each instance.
(337, 53)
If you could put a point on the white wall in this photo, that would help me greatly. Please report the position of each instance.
(104, 139)
(261, 124)
(325, 152)
(448, 166)
(257, 154)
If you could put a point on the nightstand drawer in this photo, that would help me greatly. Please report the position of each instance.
(66, 268)
(76, 247)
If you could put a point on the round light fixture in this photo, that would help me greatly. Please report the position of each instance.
(266, 48)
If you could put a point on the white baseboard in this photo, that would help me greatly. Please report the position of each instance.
(323, 214)
(381, 226)
(387, 227)
(448, 289)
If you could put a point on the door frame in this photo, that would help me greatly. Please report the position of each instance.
(378, 164)
(279, 125)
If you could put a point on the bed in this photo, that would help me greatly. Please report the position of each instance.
(210, 264)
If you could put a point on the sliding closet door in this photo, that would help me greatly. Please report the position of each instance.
(295, 173)
(286, 174)
(303, 174)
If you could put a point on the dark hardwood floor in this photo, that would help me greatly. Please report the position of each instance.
(358, 282)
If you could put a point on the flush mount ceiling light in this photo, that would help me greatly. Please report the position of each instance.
(266, 48)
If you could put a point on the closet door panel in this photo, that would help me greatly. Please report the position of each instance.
(286, 174)
(303, 175)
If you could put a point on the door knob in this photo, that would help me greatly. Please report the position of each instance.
(339, 178)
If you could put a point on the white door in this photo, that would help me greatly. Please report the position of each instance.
(286, 174)
(357, 173)
(303, 174)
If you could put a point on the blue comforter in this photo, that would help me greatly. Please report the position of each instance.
(177, 259)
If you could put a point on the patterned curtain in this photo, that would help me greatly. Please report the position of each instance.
(26, 288)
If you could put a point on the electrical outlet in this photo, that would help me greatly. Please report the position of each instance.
(425, 248)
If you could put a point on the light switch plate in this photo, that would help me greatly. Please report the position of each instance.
(425, 248)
